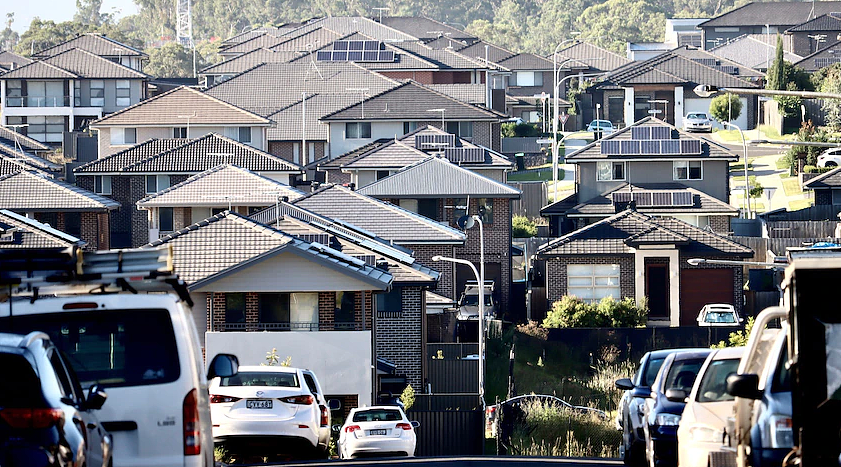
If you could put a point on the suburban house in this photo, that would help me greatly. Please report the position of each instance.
(65, 92)
(824, 57)
(19, 152)
(10, 60)
(182, 113)
(102, 46)
(657, 168)
(383, 157)
(224, 187)
(18, 231)
(222, 71)
(405, 108)
(400, 328)
(665, 85)
(815, 34)
(440, 189)
(755, 51)
(827, 188)
(321, 314)
(157, 164)
(590, 58)
(679, 32)
(630, 254)
(70, 209)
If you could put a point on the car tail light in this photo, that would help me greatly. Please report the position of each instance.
(302, 400)
(491, 409)
(352, 428)
(192, 433)
(325, 416)
(217, 399)
(405, 426)
(32, 418)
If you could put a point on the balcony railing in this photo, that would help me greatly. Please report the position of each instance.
(304, 326)
(38, 101)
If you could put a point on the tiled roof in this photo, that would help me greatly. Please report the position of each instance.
(18, 231)
(382, 219)
(470, 93)
(526, 61)
(219, 245)
(271, 87)
(170, 108)
(436, 177)
(771, 13)
(425, 28)
(12, 138)
(9, 59)
(249, 60)
(495, 53)
(722, 63)
(709, 149)
(27, 158)
(287, 121)
(446, 58)
(583, 51)
(702, 203)
(351, 24)
(824, 57)
(119, 160)
(755, 50)
(412, 101)
(825, 22)
(353, 154)
(561, 206)
(307, 41)
(403, 60)
(252, 33)
(30, 192)
(682, 69)
(620, 233)
(434, 299)
(262, 41)
(10, 165)
(96, 44)
(39, 70)
(831, 179)
(75, 63)
(492, 158)
(391, 155)
(219, 186)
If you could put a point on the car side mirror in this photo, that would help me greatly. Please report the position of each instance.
(334, 404)
(336, 428)
(676, 395)
(223, 365)
(746, 386)
(625, 384)
(96, 398)
(415, 424)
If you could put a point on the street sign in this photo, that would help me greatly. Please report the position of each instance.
(545, 141)
(563, 117)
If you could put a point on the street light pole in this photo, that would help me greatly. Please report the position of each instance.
(747, 182)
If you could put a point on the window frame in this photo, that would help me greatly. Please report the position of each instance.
(594, 277)
(166, 214)
(98, 97)
(487, 216)
(102, 184)
(242, 131)
(357, 130)
(122, 92)
(386, 302)
(599, 177)
(179, 132)
(228, 309)
(688, 167)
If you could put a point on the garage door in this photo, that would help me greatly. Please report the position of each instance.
(701, 286)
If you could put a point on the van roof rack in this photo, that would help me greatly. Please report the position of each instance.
(72, 271)
(476, 283)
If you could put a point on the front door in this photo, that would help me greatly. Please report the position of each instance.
(657, 290)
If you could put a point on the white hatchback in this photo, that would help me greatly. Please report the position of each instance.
(377, 431)
(266, 410)
(718, 314)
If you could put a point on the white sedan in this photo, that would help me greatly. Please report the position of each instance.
(267, 410)
(830, 158)
(718, 314)
(377, 431)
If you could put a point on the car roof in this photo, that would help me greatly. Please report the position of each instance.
(692, 354)
(666, 352)
(268, 369)
(711, 306)
(376, 407)
(728, 353)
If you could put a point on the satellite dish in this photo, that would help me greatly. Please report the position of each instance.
(465, 222)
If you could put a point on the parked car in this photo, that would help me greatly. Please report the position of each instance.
(45, 417)
(697, 121)
(268, 410)
(468, 304)
(718, 314)
(702, 424)
(325, 408)
(663, 408)
(605, 126)
(513, 408)
(378, 431)
(629, 418)
(830, 158)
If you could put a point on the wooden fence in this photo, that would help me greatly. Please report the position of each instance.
(801, 229)
(813, 213)
(534, 196)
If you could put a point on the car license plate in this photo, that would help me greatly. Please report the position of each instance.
(258, 404)
(378, 432)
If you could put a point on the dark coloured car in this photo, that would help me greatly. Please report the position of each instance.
(664, 406)
(630, 415)
(45, 418)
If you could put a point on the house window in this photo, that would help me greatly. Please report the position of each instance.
(358, 130)
(610, 171)
(102, 184)
(836, 196)
(381, 174)
(273, 307)
(179, 132)
(409, 127)
(459, 209)
(531, 116)
(391, 301)
(485, 209)
(121, 136)
(687, 170)
(244, 134)
(45, 129)
(167, 223)
(123, 93)
(345, 310)
(460, 129)
(235, 308)
(427, 207)
(526, 78)
(97, 93)
(77, 93)
(592, 282)
(130, 135)
(156, 183)
(14, 93)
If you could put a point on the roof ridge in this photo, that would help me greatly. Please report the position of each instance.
(400, 85)
(444, 160)
(88, 34)
(686, 59)
(77, 192)
(823, 176)
(566, 238)
(231, 215)
(96, 57)
(819, 51)
(40, 227)
(41, 62)
(698, 229)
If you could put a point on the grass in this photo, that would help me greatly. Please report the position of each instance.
(740, 166)
(791, 186)
(541, 175)
(740, 179)
(799, 204)
(782, 163)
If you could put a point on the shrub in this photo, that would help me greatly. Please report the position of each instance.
(511, 130)
(522, 227)
(725, 111)
(408, 397)
(737, 338)
(573, 312)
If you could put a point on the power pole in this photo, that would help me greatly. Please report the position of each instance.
(184, 28)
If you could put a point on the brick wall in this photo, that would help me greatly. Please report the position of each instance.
(399, 336)
(337, 176)
(286, 150)
(90, 228)
(139, 219)
(327, 310)
(720, 224)
(216, 311)
(181, 217)
(423, 77)
(556, 274)
(104, 230)
(348, 401)
(446, 282)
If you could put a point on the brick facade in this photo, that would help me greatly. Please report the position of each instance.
(181, 218)
(337, 176)
(286, 150)
(556, 274)
(446, 282)
(400, 337)
(720, 224)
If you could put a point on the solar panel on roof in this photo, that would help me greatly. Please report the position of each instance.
(825, 62)
(671, 146)
(370, 260)
(372, 45)
(323, 239)
(642, 199)
(707, 61)
(354, 56)
(682, 198)
(356, 45)
(339, 56)
(340, 45)
(661, 198)
(661, 132)
(610, 147)
(324, 55)
(629, 147)
(468, 155)
(651, 146)
(622, 197)
(729, 69)
(369, 56)
(691, 146)
(386, 56)
(640, 133)
(426, 142)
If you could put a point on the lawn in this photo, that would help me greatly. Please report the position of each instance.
(740, 166)
(799, 204)
(740, 180)
(782, 163)
(791, 185)
(764, 132)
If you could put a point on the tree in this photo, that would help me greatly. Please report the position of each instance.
(171, 60)
(737, 338)
(88, 12)
(782, 75)
(573, 312)
(615, 22)
(522, 227)
(831, 82)
(726, 107)
(8, 37)
(42, 35)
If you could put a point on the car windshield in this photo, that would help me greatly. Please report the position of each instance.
(699, 116)
(682, 374)
(651, 371)
(714, 382)
(601, 124)
(473, 300)
(261, 378)
(377, 415)
(720, 317)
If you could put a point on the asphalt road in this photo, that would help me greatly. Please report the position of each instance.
(476, 461)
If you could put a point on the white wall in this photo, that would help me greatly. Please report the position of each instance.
(340, 359)
(339, 145)
(703, 105)
(674, 278)
(629, 106)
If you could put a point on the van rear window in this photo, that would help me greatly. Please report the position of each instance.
(112, 348)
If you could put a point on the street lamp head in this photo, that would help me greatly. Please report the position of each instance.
(696, 261)
(705, 90)
(436, 258)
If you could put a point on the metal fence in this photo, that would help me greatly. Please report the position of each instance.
(450, 424)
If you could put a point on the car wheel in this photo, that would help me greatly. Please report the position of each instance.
(831, 164)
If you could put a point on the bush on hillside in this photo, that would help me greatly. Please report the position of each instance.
(573, 312)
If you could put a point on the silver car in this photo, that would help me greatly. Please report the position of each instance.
(697, 121)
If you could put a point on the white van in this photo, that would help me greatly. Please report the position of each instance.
(144, 350)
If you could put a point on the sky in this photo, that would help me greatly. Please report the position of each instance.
(56, 10)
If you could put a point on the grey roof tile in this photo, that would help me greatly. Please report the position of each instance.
(15, 155)
(94, 43)
(470, 93)
(561, 206)
(18, 231)
(393, 155)
(670, 64)
(771, 13)
(252, 33)
(608, 61)
(824, 57)
(383, 219)
(12, 138)
(527, 61)
(495, 53)
(825, 22)
(446, 58)
(249, 60)
(740, 70)
(9, 60)
(74, 63)
(286, 124)
(350, 24)
(755, 50)
(307, 41)
(31, 192)
(425, 28)
(436, 177)
(602, 205)
(119, 160)
(831, 179)
(262, 41)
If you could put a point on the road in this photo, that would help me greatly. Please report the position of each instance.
(475, 461)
